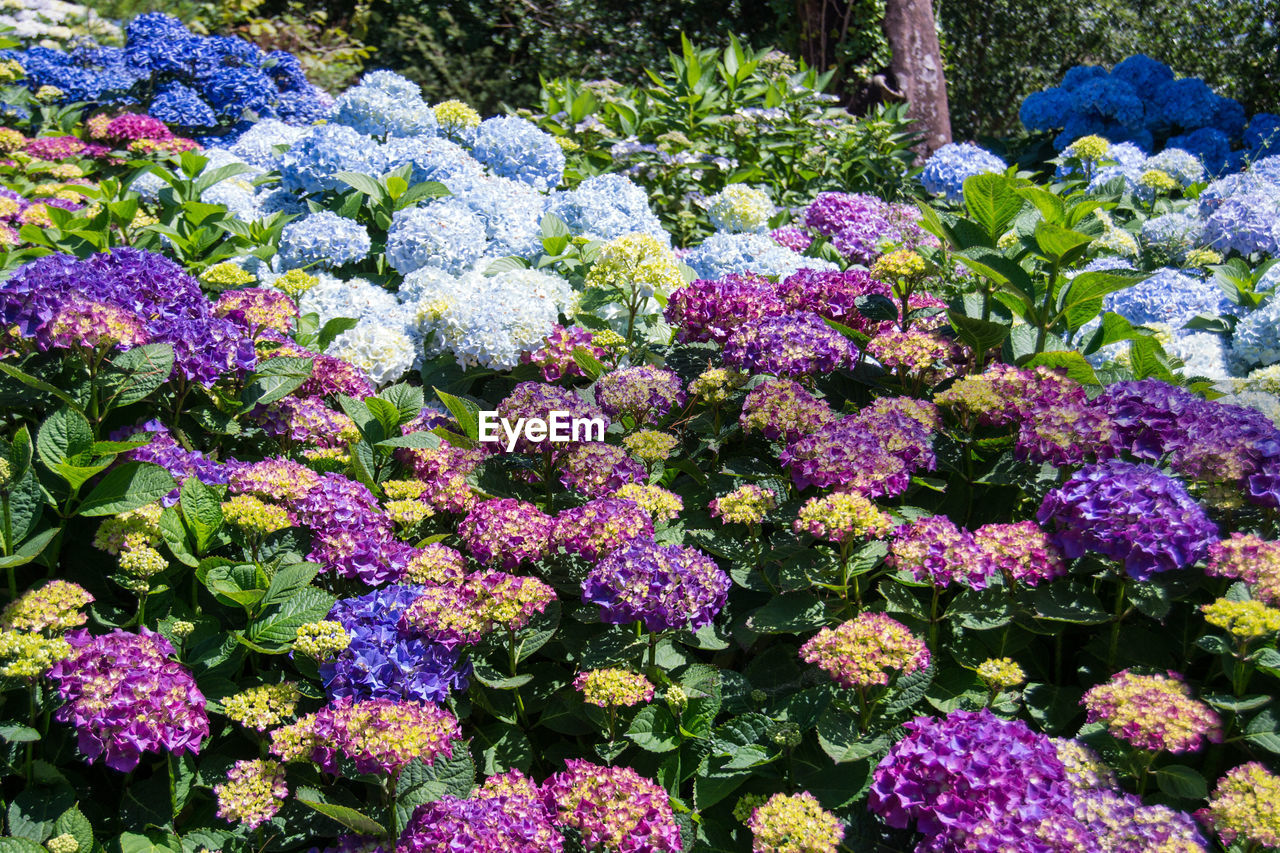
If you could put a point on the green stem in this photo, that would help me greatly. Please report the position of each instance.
(653, 650)
(1043, 333)
(1115, 626)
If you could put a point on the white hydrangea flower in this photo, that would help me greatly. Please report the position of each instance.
(740, 209)
(384, 352)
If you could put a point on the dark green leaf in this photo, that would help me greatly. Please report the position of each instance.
(275, 379)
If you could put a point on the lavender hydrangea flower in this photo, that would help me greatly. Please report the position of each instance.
(946, 170)
(712, 310)
(1132, 513)
(789, 345)
(664, 586)
(645, 394)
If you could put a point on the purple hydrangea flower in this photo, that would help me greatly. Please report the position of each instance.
(789, 345)
(664, 586)
(712, 310)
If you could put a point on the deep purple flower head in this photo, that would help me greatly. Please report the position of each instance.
(538, 400)
(873, 452)
(384, 663)
(156, 291)
(350, 535)
(934, 550)
(833, 294)
(597, 469)
(644, 393)
(481, 824)
(506, 532)
(600, 526)
(125, 697)
(795, 239)
(1132, 513)
(948, 776)
(712, 310)
(664, 586)
(614, 808)
(789, 345)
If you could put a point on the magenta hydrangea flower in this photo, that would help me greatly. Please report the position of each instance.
(1155, 712)
(1132, 513)
(506, 532)
(833, 294)
(645, 394)
(614, 808)
(1021, 551)
(793, 238)
(125, 697)
(934, 550)
(596, 469)
(600, 526)
(555, 357)
(713, 310)
(664, 586)
(538, 400)
(789, 345)
(873, 452)
(507, 823)
(378, 736)
(443, 472)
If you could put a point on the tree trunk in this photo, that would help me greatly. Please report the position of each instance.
(917, 69)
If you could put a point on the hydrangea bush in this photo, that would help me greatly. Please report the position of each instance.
(950, 528)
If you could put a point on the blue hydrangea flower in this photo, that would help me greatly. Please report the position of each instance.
(1047, 109)
(355, 298)
(1247, 222)
(445, 234)
(1144, 74)
(516, 148)
(383, 105)
(946, 170)
(257, 145)
(1230, 118)
(511, 212)
(313, 161)
(1168, 237)
(430, 158)
(723, 254)
(1212, 147)
(1183, 165)
(1263, 136)
(1186, 104)
(1256, 341)
(233, 91)
(1201, 353)
(605, 207)
(1110, 99)
(322, 239)
(1167, 296)
(180, 106)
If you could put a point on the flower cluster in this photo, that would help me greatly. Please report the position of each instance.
(125, 697)
(744, 505)
(1244, 620)
(262, 707)
(1246, 805)
(601, 526)
(866, 651)
(462, 613)
(614, 808)
(796, 344)
(613, 688)
(56, 607)
(497, 818)
(1248, 557)
(947, 168)
(1155, 712)
(252, 794)
(873, 452)
(842, 516)
(659, 503)
(645, 394)
(738, 208)
(794, 824)
(506, 532)
(664, 586)
(783, 410)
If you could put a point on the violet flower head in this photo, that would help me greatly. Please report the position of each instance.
(873, 452)
(713, 310)
(597, 469)
(783, 409)
(379, 736)
(934, 550)
(506, 532)
(124, 696)
(383, 662)
(1021, 551)
(539, 400)
(600, 526)
(789, 345)
(664, 586)
(555, 357)
(1132, 513)
(645, 394)
(833, 294)
(497, 824)
(614, 808)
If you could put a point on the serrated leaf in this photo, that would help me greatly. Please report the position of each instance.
(64, 437)
(654, 729)
(280, 624)
(135, 374)
(127, 487)
(1179, 780)
(202, 511)
(465, 412)
(276, 378)
(352, 819)
(790, 613)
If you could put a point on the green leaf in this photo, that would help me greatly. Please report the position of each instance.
(790, 613)
(465, 412)
(40, 385)
(332, 329)
(420, 440)
(1051, 207)
(1069, 602)
(73, 822)
(127, 487)
(424, 783)
(981, 335)
(992, 203)
(500, 747)
(1059, 243)
(407, 400)
(280, 625)
(202, 510)
(654, 729)
(17, 733)
(65, 437)
(1077, 367)
(275, 379)
(33, 812)
(136, 374)
(590, 365)
(20, 845)
(29, 549)
(350, 818)
(362, 183)
(287, 580)
(842, 740)
(1179, 780)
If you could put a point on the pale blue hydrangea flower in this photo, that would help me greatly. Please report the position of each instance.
(258, 145)
(1201, 353)
(723, 254)
(1167, 296)
(516, 148)
(1183, 165)
(237, 195)
(1247, 222)
(511, 212)
(324, 240)
(431, 158)
(313, 162)
(494, 320)
(385, 104)
(148, 185)
(443, 233)
(605, 207)
(426, 283)
(355, 298)
(1167, 238)
(384, 352)
(279, 200)
(945, 171)
(1256, 341)
(739, 208)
